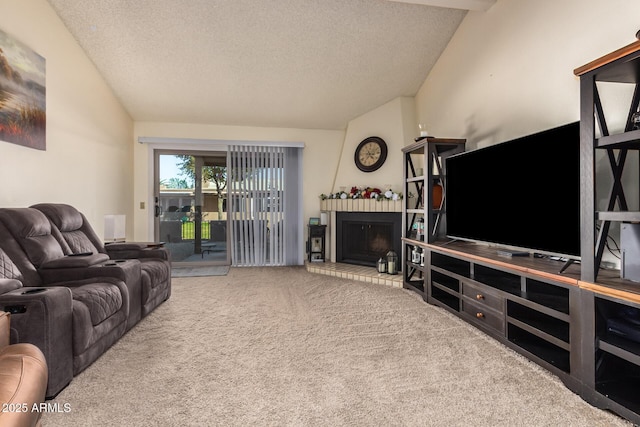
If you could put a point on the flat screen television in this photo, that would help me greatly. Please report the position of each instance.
(522, 194)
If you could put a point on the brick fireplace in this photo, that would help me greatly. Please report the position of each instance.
(363, 237)
(374, 228)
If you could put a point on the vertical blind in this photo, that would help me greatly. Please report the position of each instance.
(265, 211)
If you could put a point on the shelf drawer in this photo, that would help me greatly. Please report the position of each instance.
(483, 315)
(483, 298)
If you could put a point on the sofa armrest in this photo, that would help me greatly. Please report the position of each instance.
(161, 253)
(7, 285)
(75, 261)
(137, 250)
(127, 271)
(126, 246)
(71, 268)
(43, 317)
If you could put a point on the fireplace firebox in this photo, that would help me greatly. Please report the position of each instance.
(363, 237)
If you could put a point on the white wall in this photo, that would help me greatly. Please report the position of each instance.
(508, 71)
(88, 160)
(320, 159)
(395, 123)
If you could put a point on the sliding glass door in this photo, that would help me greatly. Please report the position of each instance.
(191, 206)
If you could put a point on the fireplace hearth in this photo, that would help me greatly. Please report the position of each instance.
(363, 237)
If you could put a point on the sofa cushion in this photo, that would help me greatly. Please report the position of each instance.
(32, 230)
(8, 269)
(65, 217)
(68, 227)
(78, 242)
(102, 300)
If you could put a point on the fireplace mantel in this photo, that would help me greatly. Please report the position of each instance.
(360, 205)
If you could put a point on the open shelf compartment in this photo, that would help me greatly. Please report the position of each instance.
(618, 379)
(546, 324)
(454, 265)
(539, 347)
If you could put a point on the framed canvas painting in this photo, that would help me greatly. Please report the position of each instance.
(23, 115)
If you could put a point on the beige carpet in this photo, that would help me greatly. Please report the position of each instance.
(284, 347)
(195, 271)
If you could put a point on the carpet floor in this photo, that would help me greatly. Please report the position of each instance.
(216, 270)
(284, 347)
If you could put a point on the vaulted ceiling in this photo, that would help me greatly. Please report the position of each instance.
(312, 64)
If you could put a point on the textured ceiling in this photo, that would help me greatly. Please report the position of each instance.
(312, 64)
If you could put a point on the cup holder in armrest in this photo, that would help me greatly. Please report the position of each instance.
(33, 291)
(15, 309)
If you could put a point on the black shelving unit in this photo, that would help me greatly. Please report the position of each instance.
(621, 67)
(611, 367)
(614, 373)
(316, 245)
(424, 204)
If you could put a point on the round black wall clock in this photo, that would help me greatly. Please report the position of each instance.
(370, 154)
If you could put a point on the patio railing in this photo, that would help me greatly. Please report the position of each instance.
(189, 230)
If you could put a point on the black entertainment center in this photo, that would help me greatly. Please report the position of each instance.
(582, 324)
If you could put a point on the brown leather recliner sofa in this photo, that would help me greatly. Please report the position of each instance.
(73, 305)
(23, 370)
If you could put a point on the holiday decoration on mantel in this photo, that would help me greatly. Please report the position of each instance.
(363, 193)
